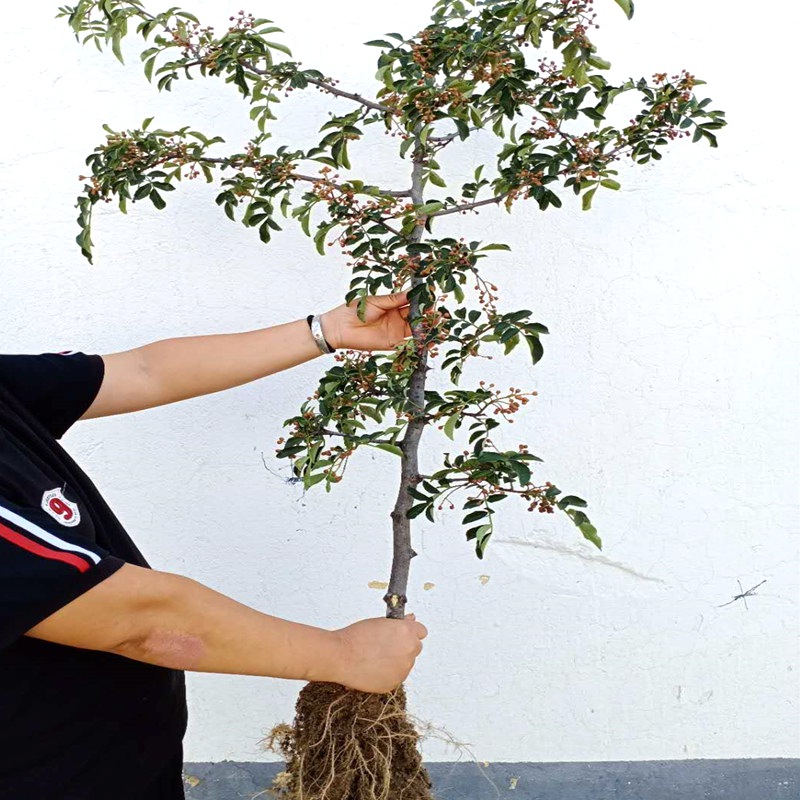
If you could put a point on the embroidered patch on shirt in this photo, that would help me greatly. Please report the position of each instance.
(60, 509)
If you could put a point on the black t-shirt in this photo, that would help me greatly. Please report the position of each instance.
(75, 724)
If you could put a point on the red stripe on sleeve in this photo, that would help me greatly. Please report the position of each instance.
(81, 564)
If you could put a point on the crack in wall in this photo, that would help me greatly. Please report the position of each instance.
(594, 559)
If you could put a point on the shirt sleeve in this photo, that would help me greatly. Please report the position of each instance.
(56, 388)
(43, 567)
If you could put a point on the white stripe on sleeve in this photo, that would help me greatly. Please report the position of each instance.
(46, 536)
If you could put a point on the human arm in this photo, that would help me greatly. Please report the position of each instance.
(176, 369)
(173, 621)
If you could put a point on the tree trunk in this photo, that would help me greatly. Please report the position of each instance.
(395, 596)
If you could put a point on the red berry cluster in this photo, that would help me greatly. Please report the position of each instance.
(241, 22)
(195, 41)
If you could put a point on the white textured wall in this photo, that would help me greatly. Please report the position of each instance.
(668, 398)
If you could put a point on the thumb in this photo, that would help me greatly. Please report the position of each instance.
(389, 301)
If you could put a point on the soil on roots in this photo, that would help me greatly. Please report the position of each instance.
(349, 745)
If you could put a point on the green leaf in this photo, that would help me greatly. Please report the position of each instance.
(319, 238)
(474, 516)
(115, 48)
(523, 473)
(240, 80)
(511, 343)
(142, 191)
(430, 208)
(495, 247)
(378, 43)
(436, 179)
(492, 456)
(586, 201)
(598, 63)
(482, 539)
(626, 6)
(450, 425)
(148, 68)
(537, 351)
(278, 46)
(361, 308)
(593, 113)
(590, 532)
(390, 448)
(314, 479)
(571, 500)
(416, 494)
(157, 200)
(608, 183)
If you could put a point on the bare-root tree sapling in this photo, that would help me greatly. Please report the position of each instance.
(522, 71)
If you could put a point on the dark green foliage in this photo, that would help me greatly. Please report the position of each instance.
(470, 69)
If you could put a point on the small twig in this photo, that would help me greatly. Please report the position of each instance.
(355, 436)
(468, 206)
(443, 141)
(743, 595)
(350, 96)
(328, 88)
(390, 228)
(387, 192)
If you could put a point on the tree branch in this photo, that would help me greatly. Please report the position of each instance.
(386, 192)
(309, 178)
(328, 88)
(468, 206)
(443, 141)
(355, 436)
(350, 96)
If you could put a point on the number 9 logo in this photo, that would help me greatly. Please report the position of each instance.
(60, 509)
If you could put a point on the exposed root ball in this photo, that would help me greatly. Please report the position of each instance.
(349, 745)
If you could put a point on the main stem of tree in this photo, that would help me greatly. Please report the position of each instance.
(395, 596)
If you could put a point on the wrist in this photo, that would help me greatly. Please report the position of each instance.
(319, 333)
(329, 659)
(329, 330)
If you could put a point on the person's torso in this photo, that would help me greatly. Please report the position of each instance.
(76, 724)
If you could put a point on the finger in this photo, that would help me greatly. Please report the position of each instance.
(421, 630)
(387, 301)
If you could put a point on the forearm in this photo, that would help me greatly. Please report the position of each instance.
(192, 627)
(190, 366)
(176, 622)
